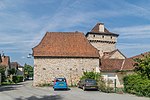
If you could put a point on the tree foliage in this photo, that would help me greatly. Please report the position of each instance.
(142, 66)
(91, 75)
(135, 84)
(28, 71)
(2, 71)
(12, 71)
(139, 83)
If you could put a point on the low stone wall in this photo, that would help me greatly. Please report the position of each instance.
(46, 69)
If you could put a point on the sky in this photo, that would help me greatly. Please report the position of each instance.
(23, 23)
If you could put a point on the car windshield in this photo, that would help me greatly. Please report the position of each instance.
(60, 80)
(90, 81)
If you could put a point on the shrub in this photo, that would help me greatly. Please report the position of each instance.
(135, 84)
(17, 79)
(91, 75)
(104, 87)
(20, 78)
(14, 79)
(2, 71)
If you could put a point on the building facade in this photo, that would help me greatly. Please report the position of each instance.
(102, 39)
(63, 54)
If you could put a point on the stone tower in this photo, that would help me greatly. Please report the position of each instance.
(102, 39)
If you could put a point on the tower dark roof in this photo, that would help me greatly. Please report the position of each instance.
(95, 30)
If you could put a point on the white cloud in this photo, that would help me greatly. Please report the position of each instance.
(133, 46)
(133, 32)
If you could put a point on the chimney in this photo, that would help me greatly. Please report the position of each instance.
(101, 27)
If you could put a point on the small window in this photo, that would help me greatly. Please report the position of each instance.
(111, 37)
(57, 68)
(103, 36)
(93, 35)
(44, 68)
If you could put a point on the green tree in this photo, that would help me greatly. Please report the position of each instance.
(12, 71)
(28, 71)
(142, 66)
(2, 71)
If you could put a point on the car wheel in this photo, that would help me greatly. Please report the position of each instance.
(84, 88)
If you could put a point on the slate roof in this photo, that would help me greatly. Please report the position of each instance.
(65, 44)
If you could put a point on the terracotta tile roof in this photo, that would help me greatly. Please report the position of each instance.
(65, 44)
(116, 64)
(5, 61)
(142, 55)
(95, 30)
(107, 55)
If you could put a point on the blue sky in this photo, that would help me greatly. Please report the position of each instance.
(23, 23)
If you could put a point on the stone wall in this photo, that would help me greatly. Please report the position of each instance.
(104, 43)
(46, 69)
(117, 55)
(103, 47)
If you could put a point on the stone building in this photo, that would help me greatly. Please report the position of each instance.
(19, 69)
(102, 39)
(5, 62)
(112, 61)
(63, 54)
(69, 54)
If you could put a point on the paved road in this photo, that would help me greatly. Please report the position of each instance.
(25, 91)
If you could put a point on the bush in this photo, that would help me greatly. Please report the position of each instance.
(17, 79)
(91, 75)
(135, 84)
(104, 87)
(20, 78)
(2, 71)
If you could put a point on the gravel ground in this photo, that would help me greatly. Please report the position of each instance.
(25, 91)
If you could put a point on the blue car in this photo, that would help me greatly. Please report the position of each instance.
(60, 83)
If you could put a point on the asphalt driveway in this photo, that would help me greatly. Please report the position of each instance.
(25, 91)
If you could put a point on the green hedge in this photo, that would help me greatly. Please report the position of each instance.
(17, 79)
(134, 84)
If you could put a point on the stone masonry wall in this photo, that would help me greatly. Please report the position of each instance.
(117, 55)
(46, 69)
(104, 43)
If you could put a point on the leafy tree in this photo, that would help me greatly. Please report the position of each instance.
(142, 66)
(12, 71)
(28, 71)
(2, 71)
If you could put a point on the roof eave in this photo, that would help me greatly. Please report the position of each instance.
(100, 33)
